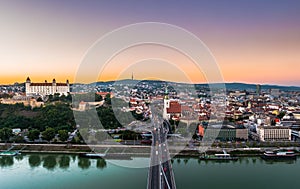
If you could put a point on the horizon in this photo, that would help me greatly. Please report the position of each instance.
(203, 83)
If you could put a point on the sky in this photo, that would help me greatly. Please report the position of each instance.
(254, 41)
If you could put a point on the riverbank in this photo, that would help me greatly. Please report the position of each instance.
(132, 150)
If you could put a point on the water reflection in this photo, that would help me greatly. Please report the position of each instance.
(73, 157)
(64, 162)
(84, 163)
(285, 161)
(34, 161)
(186, 161)
(6, 161)
(19, 157)
(49, 162)
(101, 163)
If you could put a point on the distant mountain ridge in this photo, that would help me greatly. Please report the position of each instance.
(229, 86)
(245, 86)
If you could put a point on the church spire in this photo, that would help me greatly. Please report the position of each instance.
(166, 93)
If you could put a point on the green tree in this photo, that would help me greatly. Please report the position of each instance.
(63, 135)
(69, 97)
(33, 134)
(50, 98)
(281, 115)
(107, 99)
(56, 97)
(39, 99)
(63, 98)
(48, 134)
(5, 134)
(98, 98)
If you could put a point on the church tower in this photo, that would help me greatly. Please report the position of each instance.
(166, 104)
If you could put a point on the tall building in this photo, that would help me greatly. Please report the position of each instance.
(258, 89)
(43, 89)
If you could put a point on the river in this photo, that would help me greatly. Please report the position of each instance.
(54, 171)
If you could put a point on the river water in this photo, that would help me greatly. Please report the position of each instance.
(54, 171)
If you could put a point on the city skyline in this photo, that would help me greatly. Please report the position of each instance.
(253, 42)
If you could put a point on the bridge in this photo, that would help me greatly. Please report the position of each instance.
(160, 175)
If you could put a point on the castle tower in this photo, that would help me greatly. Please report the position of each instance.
(68, 84)
(27, 86)
(53, 82)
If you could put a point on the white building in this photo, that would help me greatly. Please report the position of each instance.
(274, 133)
(46, 88)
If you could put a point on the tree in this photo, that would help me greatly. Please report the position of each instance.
(63, 135)
(33, 134)
(107, 99)
(39, 99)
(5, 134)
(56, 96)
(69, 97)
(63, 98)
(48, 134)
(281, 115)
(50, 98)
(98, 97)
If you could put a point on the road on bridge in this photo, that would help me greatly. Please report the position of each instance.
(160, 174)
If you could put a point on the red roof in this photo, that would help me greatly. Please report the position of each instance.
(41, 84)
(61, 84)
(48, 84)
(175, 107)
(104, 93)
(185, 108)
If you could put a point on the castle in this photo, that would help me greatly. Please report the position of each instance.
(43, 89)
